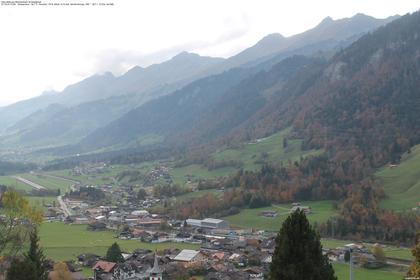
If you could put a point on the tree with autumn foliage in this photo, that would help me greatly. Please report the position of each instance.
(414, 270)
(19, 220)
(61, 272)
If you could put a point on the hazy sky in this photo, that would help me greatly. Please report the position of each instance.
(49, 47)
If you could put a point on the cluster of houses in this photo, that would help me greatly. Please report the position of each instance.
(242, 258)
(90, 169)
(218, 258)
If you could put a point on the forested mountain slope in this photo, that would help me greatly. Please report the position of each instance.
(200, 112)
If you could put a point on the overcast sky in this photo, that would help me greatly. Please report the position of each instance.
(49, 47)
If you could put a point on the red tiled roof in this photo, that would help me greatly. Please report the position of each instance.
(105, 266)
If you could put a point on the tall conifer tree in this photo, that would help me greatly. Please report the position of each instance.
(36, 256)
(298, 252)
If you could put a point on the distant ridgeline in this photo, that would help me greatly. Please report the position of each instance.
(7, 168)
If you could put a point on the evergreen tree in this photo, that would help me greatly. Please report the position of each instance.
(414, 270)
(21, 270)
(114, 254)
(298, 252)
(36, 256)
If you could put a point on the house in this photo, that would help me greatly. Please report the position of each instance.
(269, 214)
(103, 270)
(147, 222)
(188, 256)
(193, 222)
(255, 273)
(140, 213)
(305, 209)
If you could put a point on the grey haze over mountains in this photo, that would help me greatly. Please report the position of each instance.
(54, 119)
(140, 81)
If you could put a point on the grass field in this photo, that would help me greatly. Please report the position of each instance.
(272, 146)
(402, 183)
(65, 242)
(12, 182)
(248, 154)
(41, 200)
(342, 273)
(250, 218)
(48, 182)
(390, 251)
(179, 174)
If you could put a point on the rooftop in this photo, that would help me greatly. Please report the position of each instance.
(186, 255)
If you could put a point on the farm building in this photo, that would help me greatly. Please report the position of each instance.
(209, 223)
(305, 209)
(193, 222)
(214, 223)
(187, 256)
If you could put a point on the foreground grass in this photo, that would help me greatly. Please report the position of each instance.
(402, 183)
(390, 251)
(342, 273)
(250, 218)
(65, 242)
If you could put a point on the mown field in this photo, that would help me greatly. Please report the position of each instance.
(65, 242)
(250, 218)
(402, 183)
(390, 251)
(12, 182)
(48, 182)
(271, 148)
(342, 273)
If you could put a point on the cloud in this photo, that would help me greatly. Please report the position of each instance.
(119, 61)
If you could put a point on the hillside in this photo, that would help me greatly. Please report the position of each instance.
(200, 111)
(402, 182)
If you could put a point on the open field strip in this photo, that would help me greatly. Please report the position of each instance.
(65, 242)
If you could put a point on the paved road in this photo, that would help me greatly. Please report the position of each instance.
(30, 183)
(63, 206)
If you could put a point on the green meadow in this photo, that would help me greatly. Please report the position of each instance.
(269, 149)
(402, 183)
(342, 273)
(14, 183)
(271, 146)
(250, 218)
(65, 242)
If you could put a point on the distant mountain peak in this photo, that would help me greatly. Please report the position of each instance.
(272, 38)
(185, 54)
(326, 20)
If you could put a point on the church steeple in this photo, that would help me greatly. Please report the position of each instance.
(155, 273)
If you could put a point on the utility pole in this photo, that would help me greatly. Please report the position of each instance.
(351, 264)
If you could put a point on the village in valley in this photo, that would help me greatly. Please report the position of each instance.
(208, 248)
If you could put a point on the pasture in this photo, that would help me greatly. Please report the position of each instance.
(402, 183)
(65, 242)
(251, 218)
